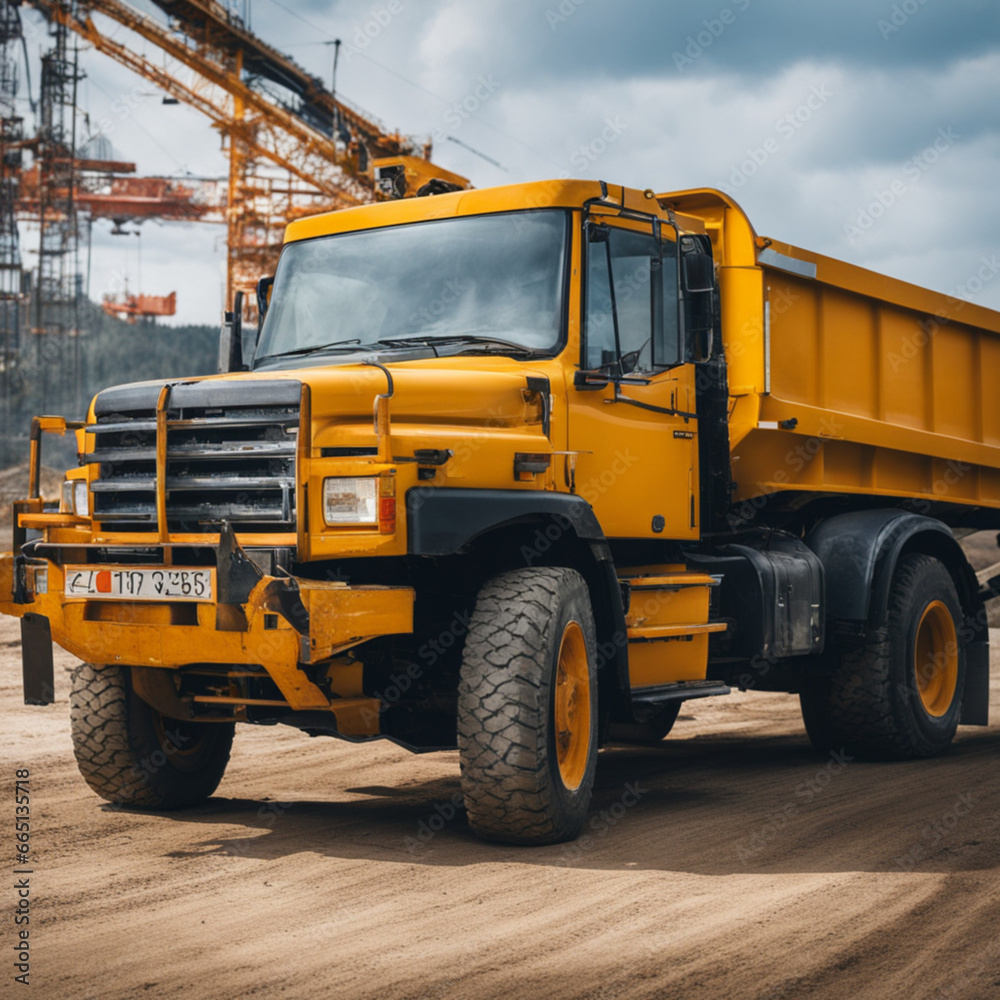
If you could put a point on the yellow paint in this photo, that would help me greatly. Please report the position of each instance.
(571, 709)
(41, 522)
(935, 659)
(149, 634)
(341, 616)
(668, 627)
(889, 383)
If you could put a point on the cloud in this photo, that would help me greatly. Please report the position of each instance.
(806, 153)
(835, 108)
(592, 40)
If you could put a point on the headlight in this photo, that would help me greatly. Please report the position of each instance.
(81, 499)
(38, 579)
(75, 499)
(350, 500)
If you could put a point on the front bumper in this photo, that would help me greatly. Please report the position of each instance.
(287, 625)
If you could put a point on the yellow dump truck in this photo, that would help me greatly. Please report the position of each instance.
(518, 471)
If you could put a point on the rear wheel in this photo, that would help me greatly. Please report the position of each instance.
(900, 696)
(527, 707)
(132, 755)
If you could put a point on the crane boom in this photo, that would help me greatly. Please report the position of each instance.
(272, 114)
(218, 91)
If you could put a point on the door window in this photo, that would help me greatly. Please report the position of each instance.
(631, 286)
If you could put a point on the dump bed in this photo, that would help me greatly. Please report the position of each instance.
(846, 381)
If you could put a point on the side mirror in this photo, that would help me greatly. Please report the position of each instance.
(587, 381)
(231, 338)
(698, 274)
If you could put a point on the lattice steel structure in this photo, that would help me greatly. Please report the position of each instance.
(58, 293)
(294, 148)
(11, 152)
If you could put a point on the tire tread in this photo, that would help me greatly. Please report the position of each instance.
(113, 761)
(502, 696)
(856, 709)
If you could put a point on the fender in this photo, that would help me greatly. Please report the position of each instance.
(860, 551)
(444, 521)
(441, 522)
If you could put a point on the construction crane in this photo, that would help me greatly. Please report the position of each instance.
(293, 149)
(132, 308)
(102, 190)
(51, 306)
(271, 114)
(12, 294)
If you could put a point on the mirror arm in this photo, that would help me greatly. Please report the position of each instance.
(669, 410)
(589, 381)
(614, 304)
(682, 334)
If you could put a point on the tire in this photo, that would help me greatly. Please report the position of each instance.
(527, 708)
(132, 755)
(901, 695)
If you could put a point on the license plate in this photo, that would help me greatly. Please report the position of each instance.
(131, 583)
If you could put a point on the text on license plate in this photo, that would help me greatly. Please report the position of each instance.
(133, 583)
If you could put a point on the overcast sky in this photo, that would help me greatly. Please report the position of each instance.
(868, 130)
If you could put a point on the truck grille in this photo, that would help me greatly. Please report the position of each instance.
(231, 450)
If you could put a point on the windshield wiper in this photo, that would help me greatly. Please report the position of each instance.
(298, 351)
(488, 345)
(499, 345)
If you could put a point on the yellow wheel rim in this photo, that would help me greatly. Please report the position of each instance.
(935, 657)
(572, 707)
(177, 741)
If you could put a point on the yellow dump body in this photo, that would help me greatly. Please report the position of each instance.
(846, 381)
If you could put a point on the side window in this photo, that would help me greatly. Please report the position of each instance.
(634, 281)
(599, 330)
(667, 350)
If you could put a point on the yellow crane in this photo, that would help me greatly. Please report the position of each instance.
(270, 112)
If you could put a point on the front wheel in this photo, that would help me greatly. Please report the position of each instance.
(901, 695)
(132, 755)
(527, 707)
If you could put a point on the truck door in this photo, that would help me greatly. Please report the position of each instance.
(632, 420)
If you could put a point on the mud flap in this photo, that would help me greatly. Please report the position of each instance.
(976, 700)
(37, 669)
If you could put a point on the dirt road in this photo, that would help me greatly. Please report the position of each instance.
(729, 862)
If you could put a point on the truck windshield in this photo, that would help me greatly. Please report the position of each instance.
(498, 278)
